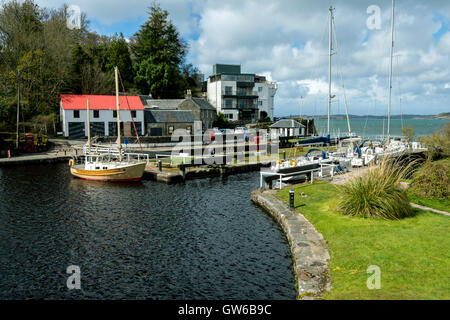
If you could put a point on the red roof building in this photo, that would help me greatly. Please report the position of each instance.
(99, 102)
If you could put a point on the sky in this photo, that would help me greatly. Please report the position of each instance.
(287, 40)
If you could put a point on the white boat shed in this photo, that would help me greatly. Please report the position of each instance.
(288, 128)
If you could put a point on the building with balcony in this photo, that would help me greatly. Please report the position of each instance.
(240, 96)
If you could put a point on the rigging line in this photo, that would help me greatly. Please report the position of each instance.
(131, 115)
(342, 80)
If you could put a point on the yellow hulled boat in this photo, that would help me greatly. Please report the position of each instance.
(103, 168)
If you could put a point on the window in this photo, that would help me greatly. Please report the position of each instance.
(228, 90)
(242, 91)
(228, 103)
(260, 89)
(260, 103)
(133, 113)
(230, 116)
(114, 113)
(96, 113)
(76, 113)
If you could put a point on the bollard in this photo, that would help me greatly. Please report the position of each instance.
(291, 199)
(284, 155)
(160, 165)
(9, 153)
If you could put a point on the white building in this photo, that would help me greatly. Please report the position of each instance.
(103, 115)
(241, 97)
(288, 128)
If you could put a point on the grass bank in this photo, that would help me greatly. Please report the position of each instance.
(413, 254)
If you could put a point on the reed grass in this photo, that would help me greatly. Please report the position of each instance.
(378, 194)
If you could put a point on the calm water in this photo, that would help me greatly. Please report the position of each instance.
(374, 127)
(203, 239)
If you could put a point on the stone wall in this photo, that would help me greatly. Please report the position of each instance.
(309, 250)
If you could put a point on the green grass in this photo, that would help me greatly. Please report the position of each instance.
(413, 253)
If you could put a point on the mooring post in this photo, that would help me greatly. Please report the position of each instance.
(183, 172)
(284, 155)
(160, 165)
(291, 199)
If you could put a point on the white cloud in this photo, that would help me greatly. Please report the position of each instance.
(287, 40)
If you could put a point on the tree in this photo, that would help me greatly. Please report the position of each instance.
(408, 131)
(221, 121)
(118, 54)
(159, 54)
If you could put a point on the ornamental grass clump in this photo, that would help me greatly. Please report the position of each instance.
(378, 194)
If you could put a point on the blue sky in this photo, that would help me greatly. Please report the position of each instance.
(286, 40)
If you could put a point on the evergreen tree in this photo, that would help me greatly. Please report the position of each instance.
(118, 54)
(159, 52)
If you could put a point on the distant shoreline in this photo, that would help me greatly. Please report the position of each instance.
(445, 116)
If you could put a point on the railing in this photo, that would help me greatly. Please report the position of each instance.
(239, 93)
(115, 151)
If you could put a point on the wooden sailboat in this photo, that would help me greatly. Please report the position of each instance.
(107, 167)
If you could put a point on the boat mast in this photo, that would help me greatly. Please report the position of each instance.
(88, 127)
(119, 144)
(390, 74)
(329, 67)
(18, 109)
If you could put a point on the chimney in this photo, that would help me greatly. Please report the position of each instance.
(188, 94)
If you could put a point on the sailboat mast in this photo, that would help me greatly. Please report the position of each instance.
(329, 67)
(390, 73)
(119, 144)
(18, 109)
(88, 126)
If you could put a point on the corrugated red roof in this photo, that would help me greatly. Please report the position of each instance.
(96, 102)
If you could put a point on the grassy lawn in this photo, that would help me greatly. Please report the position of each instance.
(413, 254)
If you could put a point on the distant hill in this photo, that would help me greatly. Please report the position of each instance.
(405, 116)
(445, 115)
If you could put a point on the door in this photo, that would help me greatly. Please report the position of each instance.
(156, 132)
(76, 130)
(97, 129)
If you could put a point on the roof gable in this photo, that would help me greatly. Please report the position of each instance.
(287, 123)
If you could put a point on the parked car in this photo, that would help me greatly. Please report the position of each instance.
(241, 130)
(227, 131)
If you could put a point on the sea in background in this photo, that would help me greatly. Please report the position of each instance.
(372, 128)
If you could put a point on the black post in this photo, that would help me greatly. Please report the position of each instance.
(284, 155)
(291, 199)
(160, 165)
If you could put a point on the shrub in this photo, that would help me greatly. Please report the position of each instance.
(432, 180)
(377, 194)
(438, 144)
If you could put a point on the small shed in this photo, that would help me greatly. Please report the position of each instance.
(288, 128)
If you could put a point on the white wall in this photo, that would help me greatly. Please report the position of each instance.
(215, 90)
(267, 96)
(105, 116)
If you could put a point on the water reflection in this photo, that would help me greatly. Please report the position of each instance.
(203, 239)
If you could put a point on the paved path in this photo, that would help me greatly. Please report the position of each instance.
(418, 206)
(344, 178)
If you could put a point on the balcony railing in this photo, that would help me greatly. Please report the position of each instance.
(239, 93)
